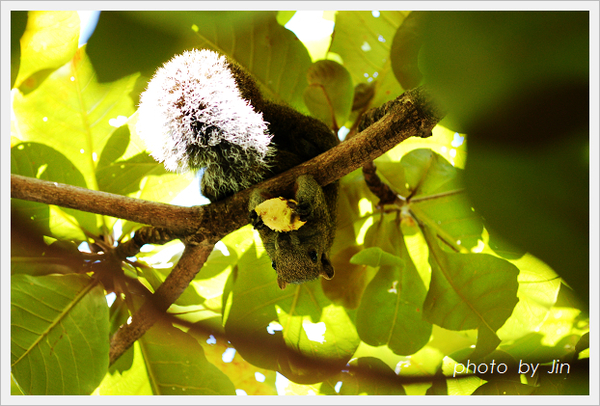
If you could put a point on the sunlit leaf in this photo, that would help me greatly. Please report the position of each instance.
(60, 322)
(366, 51)
(391, 310)
(451, 145)
(72, 113)
(538, 290)
(177, 365)
(122, 174)
(14, 388)
(49, 41)
(530, 347)
(439, 200)
(470, 291)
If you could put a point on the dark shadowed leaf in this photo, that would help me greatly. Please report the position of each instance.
(368, 382)
(329, 93)
(405, 51)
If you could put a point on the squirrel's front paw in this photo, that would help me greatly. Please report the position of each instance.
(304, 211)
(255, 220)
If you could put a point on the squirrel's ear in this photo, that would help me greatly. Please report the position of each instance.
(282, 284)
(328, 272)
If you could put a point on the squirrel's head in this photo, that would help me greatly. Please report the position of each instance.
(299, 260)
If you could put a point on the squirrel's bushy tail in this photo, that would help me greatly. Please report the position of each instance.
(193, 115)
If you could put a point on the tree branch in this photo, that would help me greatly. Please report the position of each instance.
(142, 211)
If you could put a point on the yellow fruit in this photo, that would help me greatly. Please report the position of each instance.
(278, 215)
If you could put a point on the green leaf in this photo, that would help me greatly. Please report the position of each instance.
(375, 256)
(525, 165)
(14, 388)
(165, 361)
(40, 161)
(487, 341)
(428, 173)
(283, 16)
(59, 334)
(176, 364)
(391, 309)
(438, 199)
(329, 93)
(74, 114)
(470, 291)
(366, 51)
(49, 41)
(390, 314)
(530, 347)
(317, 329)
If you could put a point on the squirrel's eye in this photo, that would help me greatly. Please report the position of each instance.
(313, 256)
(273, 265)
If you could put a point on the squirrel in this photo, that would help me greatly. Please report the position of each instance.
(203, 110)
